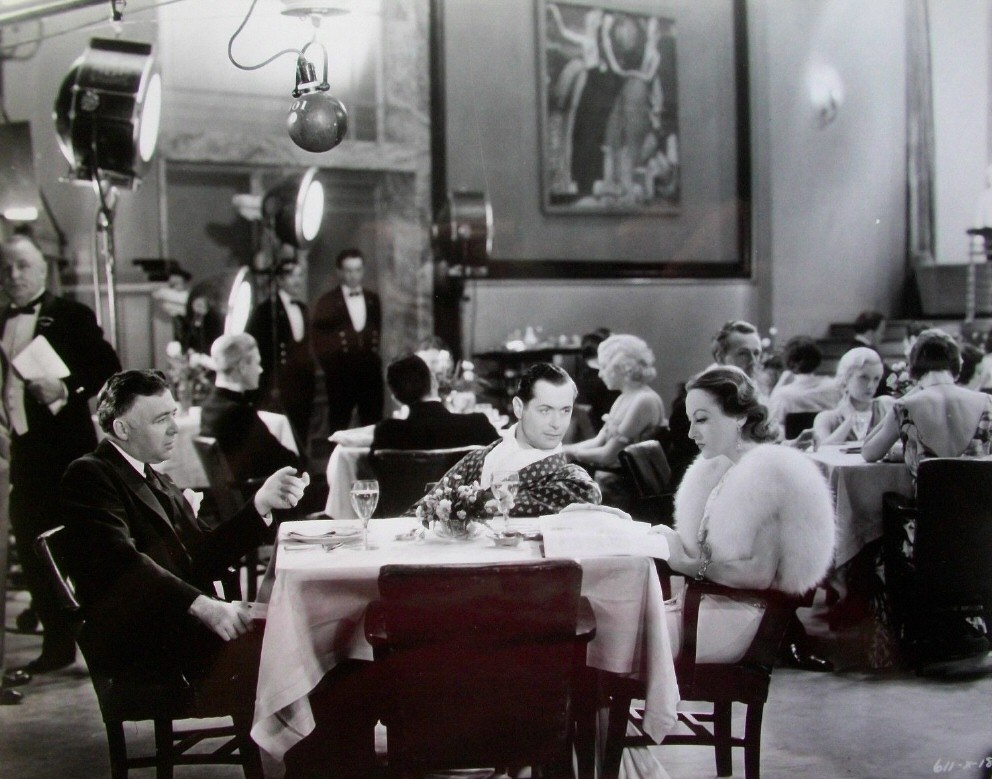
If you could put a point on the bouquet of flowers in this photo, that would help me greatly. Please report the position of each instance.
(458, 383)
(899, 381)
(451, 508)
(189, 372)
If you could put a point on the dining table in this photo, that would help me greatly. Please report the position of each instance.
(858, 487)
(321, 579)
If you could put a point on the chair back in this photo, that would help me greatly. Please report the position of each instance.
(227, 495)
(61, 584)
(952, 555)
(646, 469)
(402, 474)
(477, 662)
(797, 421)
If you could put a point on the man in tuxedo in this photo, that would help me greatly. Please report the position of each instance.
(347, 322)
(250, 448)
(144, 565)
(429, 425)
(46, 417)
(288, 370)
(532, 447)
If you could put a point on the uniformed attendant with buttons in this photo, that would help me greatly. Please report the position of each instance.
(345, 328)
(287, 381)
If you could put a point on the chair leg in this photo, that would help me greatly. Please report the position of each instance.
(251, 760)
(721, 738)
(118, 749)
(584, 712)
(752, 741)
(163, 749)
(615, 731)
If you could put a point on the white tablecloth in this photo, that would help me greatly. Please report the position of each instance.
(858, 488)
(318, 600)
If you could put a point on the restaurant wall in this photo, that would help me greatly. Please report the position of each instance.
(827, 203)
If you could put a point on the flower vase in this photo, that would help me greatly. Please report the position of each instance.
(454, 529)
(184, 396)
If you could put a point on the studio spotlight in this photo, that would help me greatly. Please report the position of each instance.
(107, 112)
(463, 229)
(317, 120)
(294, 208)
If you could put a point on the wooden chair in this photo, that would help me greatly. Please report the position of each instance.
(151, 696)
(722, 684)
(229, 496)
(479, 665)
(797, 421)
(402, 474)
(941, 594)
(648, 474)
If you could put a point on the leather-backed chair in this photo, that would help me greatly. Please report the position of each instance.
(648, 475)
(797, 421)
(722, 684)
(480, 665)
(402, 474)
(941, 593)
(228, 497)
(159, 697)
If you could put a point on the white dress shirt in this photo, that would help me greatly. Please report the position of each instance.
(356, 307)
(295, 315)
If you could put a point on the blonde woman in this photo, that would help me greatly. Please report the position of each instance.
(626, 363)
(858, 375)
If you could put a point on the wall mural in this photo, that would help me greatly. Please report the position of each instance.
(610, 114)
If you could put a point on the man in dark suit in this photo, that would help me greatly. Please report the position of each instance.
(346, 326)
(250, 448)
(288, 370)
(429, 424)
(142, 562)
(47, 417)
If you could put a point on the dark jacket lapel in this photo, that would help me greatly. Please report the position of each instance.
(134, 482)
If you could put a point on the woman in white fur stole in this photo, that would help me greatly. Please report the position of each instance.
(749, 513)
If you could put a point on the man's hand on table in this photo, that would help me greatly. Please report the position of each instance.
(227, 620)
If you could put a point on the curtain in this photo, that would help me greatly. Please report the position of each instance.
(919, 135)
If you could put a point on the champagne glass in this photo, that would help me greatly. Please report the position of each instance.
(505, 484)
(364, 497)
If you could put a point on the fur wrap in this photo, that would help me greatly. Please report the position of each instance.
(771, 483)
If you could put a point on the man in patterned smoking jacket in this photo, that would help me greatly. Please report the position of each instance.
(532, 448)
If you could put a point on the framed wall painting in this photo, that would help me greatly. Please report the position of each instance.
(609, 110)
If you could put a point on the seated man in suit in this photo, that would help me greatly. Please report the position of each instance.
(251, 450)
(429, 425)
(142, 562)
(532, 448)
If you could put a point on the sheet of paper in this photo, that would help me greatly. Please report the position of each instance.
(594, 533)
(38, 360)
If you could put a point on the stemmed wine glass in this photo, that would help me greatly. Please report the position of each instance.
(505, 484)
(364, 497)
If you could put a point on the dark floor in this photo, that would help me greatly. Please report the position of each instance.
(850, 723)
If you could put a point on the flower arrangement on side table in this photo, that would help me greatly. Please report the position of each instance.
(458, 383)
(451, 510)
(190, 374)
(899, 381)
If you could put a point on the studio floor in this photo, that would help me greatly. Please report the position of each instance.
(850, 723)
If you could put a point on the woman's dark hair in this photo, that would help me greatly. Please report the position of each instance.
(971, 357)
(802, 355)
(409, 379)
(738, 397)
(934, 350)
(120, 391)
(868, 320)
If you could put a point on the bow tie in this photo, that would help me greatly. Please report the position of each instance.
(29, 308)
(354, 293)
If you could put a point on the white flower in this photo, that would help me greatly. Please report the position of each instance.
(174, 349)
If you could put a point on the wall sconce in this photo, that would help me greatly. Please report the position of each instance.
(317, 121)
(826, 92)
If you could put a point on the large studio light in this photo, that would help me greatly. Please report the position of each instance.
(107, 112)
(294, 208)
(462, 232)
